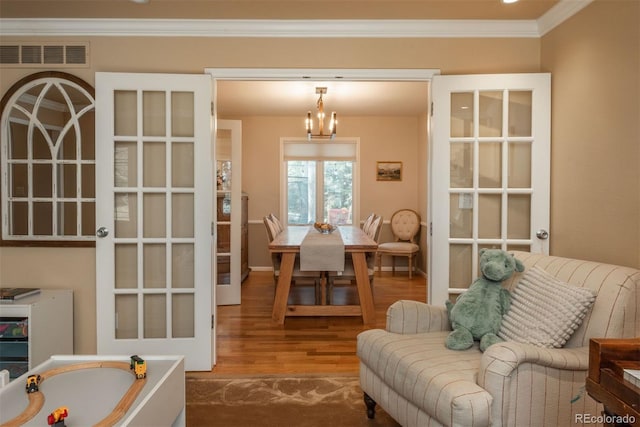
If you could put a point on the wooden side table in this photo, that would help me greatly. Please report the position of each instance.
(621, 398)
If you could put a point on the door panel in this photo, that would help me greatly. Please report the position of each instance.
(228, 161)
(490, 172)
(153, 179)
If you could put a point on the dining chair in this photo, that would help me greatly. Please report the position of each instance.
(405, 224)
(372, 227)
(274, 227)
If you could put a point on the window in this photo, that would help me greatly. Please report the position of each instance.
(321, 181)
(48, 161)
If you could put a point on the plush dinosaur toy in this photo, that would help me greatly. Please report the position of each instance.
(477, 314)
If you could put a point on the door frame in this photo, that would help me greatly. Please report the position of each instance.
(328, 74)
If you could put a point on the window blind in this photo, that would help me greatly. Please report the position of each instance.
(320, 150)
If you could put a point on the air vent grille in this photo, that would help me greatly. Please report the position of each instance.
(44, 55)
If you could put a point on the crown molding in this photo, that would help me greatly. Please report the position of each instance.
(267, 28)
(30, 27)
(559, 13)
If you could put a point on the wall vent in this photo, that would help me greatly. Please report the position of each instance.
(42, 55)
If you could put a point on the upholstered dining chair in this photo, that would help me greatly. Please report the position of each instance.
(274, 227)
(405, 225)
(372, 227)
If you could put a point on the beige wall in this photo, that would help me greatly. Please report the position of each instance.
(594, 59)
(595, 183)
(381, 139)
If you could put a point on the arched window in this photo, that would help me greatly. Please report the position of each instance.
(48, 161)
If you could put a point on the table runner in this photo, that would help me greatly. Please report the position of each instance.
(322, 252)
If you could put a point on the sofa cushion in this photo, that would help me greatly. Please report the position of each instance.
(544, 310)
(421, 369)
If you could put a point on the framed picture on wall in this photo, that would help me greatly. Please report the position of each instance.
(388, 171)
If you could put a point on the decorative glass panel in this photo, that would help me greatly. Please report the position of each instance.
(67, 218)
(520, 112)
(125, 112)
(461, 165)
(489, 216)
(462, 111)
(461, 211)
(67, 181)
(155, 219)
(182, 214)
(154, 161)
(490, 114)
(520, 165)
(125, 164)
(490, 168)
(126, 316)
(182, 165)
(460, 266)
(155, 316)
(154, 266)
(67, 149)
(519, 214)
(42, 219)
(154, 113)
(182, 322)
(126, 215)
(126, 266)
(19, 218)
(182, 265)
(182, 113)
(42, 184)
(19, 180)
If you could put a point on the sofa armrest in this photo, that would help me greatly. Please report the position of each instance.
(414, 317)
(502, 359)
(524, 380)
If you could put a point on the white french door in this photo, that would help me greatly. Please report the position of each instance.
(490, 167)
(153, 213)
(228, 161)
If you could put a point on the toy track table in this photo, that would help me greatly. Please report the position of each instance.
(99, 391)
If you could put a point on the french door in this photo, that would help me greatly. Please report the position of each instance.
(490, 163)
(153, 204)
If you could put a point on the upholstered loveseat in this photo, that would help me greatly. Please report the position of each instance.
(407, 370)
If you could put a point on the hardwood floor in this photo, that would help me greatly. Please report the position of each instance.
(249, 342)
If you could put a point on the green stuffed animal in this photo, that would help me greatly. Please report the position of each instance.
(477, 314)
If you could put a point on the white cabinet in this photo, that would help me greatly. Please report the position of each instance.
(35, 327)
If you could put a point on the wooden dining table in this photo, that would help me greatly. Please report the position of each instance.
(356, 242)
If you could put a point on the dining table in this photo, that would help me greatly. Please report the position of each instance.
(356, 243)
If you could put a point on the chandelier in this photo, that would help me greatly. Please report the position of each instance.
(332, 123)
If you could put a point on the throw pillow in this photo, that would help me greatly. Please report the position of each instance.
(544, 310)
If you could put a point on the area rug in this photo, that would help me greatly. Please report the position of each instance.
(279, 400)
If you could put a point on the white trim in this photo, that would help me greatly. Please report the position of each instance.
(559, 13)
(310, 74)
(309, 28)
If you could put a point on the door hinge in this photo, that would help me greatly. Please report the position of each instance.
(431, 229)
(213, 228)
(212, 109)
(213, 320)
(431, 108)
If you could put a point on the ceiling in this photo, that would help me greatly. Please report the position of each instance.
(290, 98)
(276, 9)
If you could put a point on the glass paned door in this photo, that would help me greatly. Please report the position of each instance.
(154, 216)
(228, 209)
(490, 172)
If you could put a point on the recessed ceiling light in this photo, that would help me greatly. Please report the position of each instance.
(509, 1)
(139, 1)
